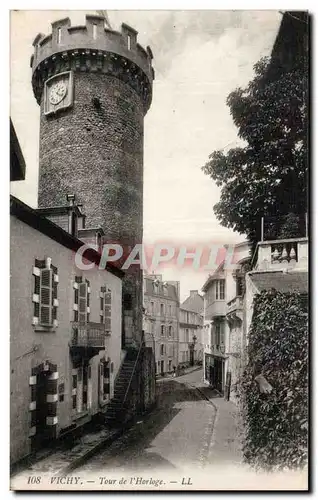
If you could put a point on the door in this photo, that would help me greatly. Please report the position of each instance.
(219, 368)
(41, 409)
(191, 357)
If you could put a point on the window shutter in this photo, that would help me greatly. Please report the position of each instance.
(46, 298)
(82, 302)
(54, 294)
(106, 380)
(108, 310)
(101, 382)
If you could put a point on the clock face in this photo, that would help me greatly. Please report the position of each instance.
(57, 92)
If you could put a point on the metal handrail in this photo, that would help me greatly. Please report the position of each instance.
(134, 369)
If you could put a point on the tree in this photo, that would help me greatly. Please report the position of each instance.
(268, 174)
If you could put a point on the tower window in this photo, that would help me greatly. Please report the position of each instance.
(94, 31)
(59, 34)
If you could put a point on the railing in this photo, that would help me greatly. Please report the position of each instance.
(234, 304)
(142, 343)
(88, 335)
(287, 253)
(218, 348)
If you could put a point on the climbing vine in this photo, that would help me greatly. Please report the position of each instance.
(276, 423)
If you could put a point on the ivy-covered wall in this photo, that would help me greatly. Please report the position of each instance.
(276, 423)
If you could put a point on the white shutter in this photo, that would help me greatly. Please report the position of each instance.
(82, 302)
(46, 297)
(108, 310)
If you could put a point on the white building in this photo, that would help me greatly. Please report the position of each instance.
(223, 322)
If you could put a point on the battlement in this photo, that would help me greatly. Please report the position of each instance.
(94, 42)
(94, 35)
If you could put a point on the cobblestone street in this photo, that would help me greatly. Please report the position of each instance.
(176, 433)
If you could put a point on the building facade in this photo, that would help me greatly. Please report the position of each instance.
(223, 322)
(94, 87)
(161, 320)
(191, 330)
(65, 341)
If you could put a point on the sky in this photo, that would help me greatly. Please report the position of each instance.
(199, 58)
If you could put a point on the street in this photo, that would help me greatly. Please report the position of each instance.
(176, 433)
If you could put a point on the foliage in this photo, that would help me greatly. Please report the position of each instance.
(276, 423)
(268, 174)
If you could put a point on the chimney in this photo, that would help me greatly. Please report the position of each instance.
(193, 292)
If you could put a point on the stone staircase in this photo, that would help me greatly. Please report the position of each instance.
(113, 414)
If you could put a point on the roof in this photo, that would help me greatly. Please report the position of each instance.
(32, 218)
(194, 303)
(280, 281)
(171, 289)
(213, 276)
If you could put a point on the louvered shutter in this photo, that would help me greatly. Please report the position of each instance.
(46, 298)
(54, 295)
(101, 382)
(108, 310)
(82, 302)
(106, 380)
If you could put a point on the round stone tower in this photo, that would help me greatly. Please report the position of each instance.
(94, 87)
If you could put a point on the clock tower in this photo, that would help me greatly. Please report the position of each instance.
(94, 87)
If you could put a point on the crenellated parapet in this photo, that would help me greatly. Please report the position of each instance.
(92, 48)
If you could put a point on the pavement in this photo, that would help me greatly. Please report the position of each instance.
(226, 444)
(190, 424)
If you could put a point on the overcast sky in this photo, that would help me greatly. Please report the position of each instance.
(199, 58)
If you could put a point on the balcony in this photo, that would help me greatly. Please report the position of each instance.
(88, 339)
(235, 309)
(215, 309)
(285, 254)
(217, 349)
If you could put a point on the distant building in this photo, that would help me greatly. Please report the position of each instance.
(191, 330)
(161, 320)
(223, 322)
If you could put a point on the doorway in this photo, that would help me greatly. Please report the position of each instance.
(43, 404)
(162, 367)
(219, 374)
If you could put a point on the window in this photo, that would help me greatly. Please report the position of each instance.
(162, 309)
(162, 349)
(239, 286)
(187, 335)
(162, 330)
(106, 308)
(94, 31)
(220, 290)
(219, 333)
(152, 307)
(129, 42)
(59, 35)
(45, 293)
(61, 391)
(105, 381)
(170, 331)
(170, 310)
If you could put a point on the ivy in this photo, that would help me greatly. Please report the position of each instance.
(276, 428)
